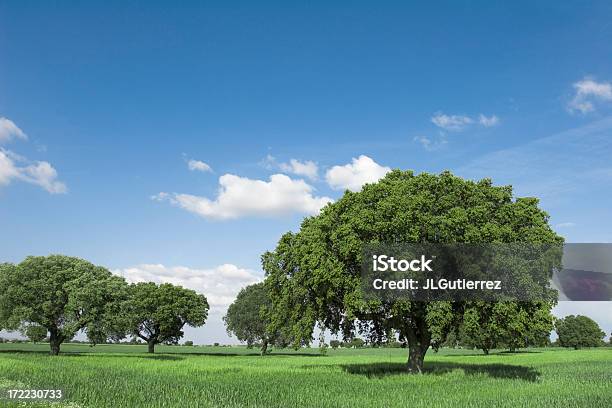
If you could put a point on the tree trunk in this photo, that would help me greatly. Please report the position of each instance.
(486, 351)
(55, 340)
(419, 339)
(264, 347)
(151, 344)
(416, 355)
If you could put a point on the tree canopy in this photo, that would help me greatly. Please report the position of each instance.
(247, 318)
(36, 333)
(158, 313)
(579, 331)
(313, 276)
(488, 325)
(59, 293)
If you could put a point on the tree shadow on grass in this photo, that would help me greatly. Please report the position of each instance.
(72, 354)
(254, 354)
(160, 356)
(492, 353)
(502, 371)
(512, 353)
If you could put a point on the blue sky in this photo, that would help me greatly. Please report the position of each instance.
(106, 106)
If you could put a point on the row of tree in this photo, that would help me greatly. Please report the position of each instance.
(313, 276)
(60, 296)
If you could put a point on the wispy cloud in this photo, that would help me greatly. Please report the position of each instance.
(9, 130)
(587, 92)
(489, 121)
(451, 122)
(431, 143)
(553, 166)
(565, 225)
(456, 123)
(198, 165)
(14, 167)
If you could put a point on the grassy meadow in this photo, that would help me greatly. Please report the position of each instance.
(178, 376)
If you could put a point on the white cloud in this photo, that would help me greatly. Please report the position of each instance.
(354, 175)
(306, 168)
(451, 122)
(40, 173)
(488, 121)
(8, 170)
(460, 122)
(220, 285)
(587, 91)
(44, 175)
(429, 143)
(566, 225)
(269, 162)
(9, 130)
(241, 196)
(197, 165)
(16, 167)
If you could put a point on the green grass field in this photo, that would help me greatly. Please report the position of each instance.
(124, 376)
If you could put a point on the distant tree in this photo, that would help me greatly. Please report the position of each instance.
(579, 331)
(158, 313)
(357, 342)
(247, 319)
(488, 325)
(393, 344)
(36, 333)
(188, 343)
(334, 344)
(62, 294)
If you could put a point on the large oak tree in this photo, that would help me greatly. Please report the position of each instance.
(158, 313)
(62, 294)
(313, 276)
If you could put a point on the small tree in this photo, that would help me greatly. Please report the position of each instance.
(36, 333)
(579, 331)
(334, 344)
(247, 318)
(158, 313)
(62, 294)
(357, 342)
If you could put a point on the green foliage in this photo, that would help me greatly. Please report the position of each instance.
(335, 344)
(488, 325)
(188, 343)
(356, 343)
(247, 318)
(158, 313)
(35, 333)
(579, 331)
(313, 276)
(60, 293)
